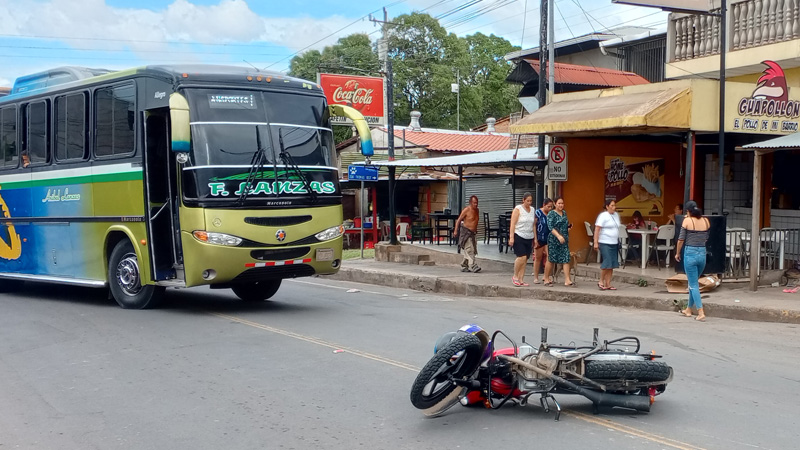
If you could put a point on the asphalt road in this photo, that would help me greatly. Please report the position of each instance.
(206, 371)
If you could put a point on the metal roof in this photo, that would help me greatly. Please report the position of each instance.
(788, 142)
(592, 76)
(497, 157)
(460, 141)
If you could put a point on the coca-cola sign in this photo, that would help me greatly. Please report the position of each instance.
(366, 94)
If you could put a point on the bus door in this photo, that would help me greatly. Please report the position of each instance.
(161, 196)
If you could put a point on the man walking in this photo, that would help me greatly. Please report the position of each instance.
(465, 228)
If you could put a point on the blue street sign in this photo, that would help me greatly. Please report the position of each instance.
(362, 173)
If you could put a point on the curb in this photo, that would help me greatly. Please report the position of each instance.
(430, 283)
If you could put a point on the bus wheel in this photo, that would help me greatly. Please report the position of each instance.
(125, 282)
(258, 291)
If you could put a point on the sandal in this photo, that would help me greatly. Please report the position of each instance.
(537, 282)
(792, 291)
(524, 284)
(611, 288)
(571, 284)
(685, 312)
(515, 281)
(548, 283)
(601, 287)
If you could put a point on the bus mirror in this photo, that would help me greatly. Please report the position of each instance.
(361, 126)
(179, 120)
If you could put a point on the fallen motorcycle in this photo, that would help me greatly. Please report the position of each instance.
(467, 368)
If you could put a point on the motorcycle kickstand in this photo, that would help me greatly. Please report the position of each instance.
(546, 404)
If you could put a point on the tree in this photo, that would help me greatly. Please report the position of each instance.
(488, 72)
(350, 54)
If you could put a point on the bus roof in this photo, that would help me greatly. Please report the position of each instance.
(72, 76)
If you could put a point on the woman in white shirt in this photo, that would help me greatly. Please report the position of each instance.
(521, 237)
(606, 241)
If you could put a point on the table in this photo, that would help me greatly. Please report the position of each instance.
(645, 242)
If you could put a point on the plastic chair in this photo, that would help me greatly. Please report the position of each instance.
(489, 231)
(665, 233)
(504, 225)
(624, 242)
(402, 231)
(590, 233)
(385, 230)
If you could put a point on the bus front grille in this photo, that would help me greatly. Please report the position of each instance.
(277, 221)
(279, 255)
(271, 273)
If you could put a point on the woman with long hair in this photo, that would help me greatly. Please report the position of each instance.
(540, 237)
(558, 243)
(521, 239)
(606, 242)
(693, 236)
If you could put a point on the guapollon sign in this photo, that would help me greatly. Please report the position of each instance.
(366, 94)
(768, 108)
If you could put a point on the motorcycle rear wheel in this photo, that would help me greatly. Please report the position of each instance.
(644, 370)
(433, 391)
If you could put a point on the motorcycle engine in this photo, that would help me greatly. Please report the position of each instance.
(530, 380)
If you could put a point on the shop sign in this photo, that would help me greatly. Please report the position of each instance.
(636, 184)
(770, 107)
(366, 94)
(362, 173)
(557, 162)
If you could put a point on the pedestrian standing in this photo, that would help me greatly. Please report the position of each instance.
(558, 243)
(522, 235)
(694, 234)
(606, 242)
(540, 238)
(465, 229)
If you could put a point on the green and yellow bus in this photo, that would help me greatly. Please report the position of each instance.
(165, 176)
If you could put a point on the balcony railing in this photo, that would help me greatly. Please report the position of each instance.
(751, 23)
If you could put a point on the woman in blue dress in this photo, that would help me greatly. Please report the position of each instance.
(558, 243)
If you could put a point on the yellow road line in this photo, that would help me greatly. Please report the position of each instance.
(633, 431)
(585, 417)
(321, 342)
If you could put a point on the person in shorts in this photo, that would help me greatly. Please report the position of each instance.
(521, 237)
(540, 238)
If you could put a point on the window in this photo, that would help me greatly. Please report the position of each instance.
(37, 145)
(8, 137)
(71, 127)
(115, 116)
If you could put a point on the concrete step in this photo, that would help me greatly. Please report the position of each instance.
(427, 263)
(407, 258)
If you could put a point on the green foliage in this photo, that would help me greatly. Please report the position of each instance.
(426, 59)
(641, 282)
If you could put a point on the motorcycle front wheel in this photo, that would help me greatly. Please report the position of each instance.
(433, 391)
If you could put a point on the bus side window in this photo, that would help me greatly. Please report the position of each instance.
(8, 137)
(114, 120)
(71, 127)
(37, 131)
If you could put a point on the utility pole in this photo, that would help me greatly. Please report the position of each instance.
(383, 50)
(542, 94)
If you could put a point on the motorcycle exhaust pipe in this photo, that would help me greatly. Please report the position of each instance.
(635, 402)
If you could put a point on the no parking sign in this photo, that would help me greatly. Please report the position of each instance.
(557, 164)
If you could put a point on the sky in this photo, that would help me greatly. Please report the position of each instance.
(38, 35)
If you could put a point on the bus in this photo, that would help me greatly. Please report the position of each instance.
(169, 176)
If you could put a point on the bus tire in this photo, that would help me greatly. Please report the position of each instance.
(124, 280)
(257, 291)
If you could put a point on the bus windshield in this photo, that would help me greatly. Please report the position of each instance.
(229, 126)
(224, 121)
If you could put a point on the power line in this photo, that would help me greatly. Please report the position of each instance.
(138, 41)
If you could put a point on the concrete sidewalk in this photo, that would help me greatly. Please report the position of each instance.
(730, 301)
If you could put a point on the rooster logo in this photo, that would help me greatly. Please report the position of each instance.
(772, 84)
(10, 245)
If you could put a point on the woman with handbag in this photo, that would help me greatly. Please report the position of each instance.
(606, 242)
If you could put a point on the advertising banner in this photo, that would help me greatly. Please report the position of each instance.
(770, 106)
(635, 184)
(366, 94)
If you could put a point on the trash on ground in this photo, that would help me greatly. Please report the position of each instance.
(338, 350)
(679, 284)
(350, 291)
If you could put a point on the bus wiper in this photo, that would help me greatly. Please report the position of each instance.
(256, 165)
(287, 159)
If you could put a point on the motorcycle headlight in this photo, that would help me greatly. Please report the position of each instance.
(330, 233)
(217, 238)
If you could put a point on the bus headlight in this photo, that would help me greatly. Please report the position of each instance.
(330, 233)
(216, 238)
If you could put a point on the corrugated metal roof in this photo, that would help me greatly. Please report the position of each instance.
(788, 142)
(592, 76)
(475, 159)
(456, 141)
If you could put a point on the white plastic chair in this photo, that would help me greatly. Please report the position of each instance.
(590, 233)
(665, 233)
(624, 243)
(385, 230)
(402, 231)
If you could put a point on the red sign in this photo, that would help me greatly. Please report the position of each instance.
(366, 94)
